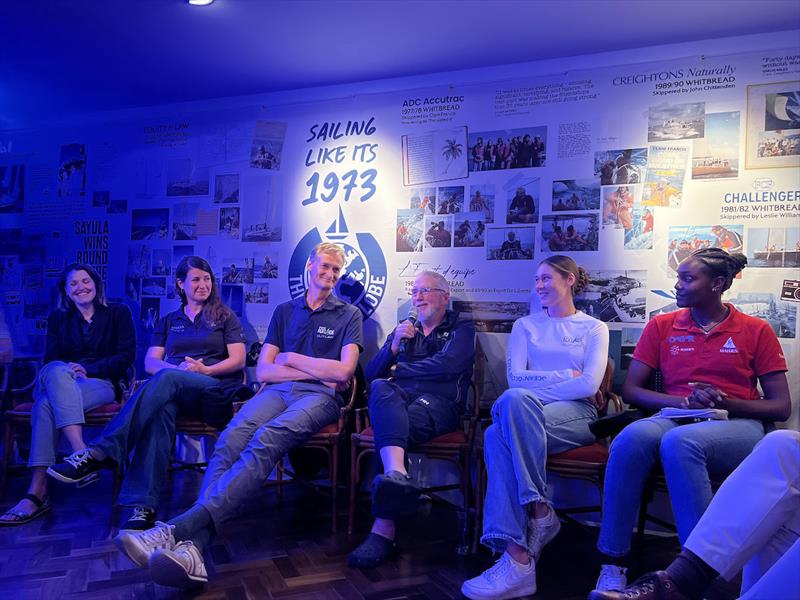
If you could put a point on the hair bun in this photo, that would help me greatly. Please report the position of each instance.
(581, 281)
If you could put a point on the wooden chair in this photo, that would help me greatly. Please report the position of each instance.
(586, 462)
(328, 441)
(21, 406)
(456, 447)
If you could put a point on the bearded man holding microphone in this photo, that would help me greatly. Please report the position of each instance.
(419, 384)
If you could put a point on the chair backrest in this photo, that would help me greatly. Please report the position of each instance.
(605, 393)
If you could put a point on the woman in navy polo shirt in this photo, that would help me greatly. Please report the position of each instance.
(194, 348)
(711, 356)
(89, 347)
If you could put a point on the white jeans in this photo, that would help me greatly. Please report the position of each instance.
(754, 521)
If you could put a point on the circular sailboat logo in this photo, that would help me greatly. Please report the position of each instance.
(363, 280)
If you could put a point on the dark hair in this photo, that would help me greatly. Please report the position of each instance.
(721, 264)
(565, 265)
(214, 311)
(64, 301)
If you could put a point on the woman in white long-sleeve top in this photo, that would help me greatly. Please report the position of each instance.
(556, 362)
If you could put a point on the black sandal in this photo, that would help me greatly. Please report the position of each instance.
(373, 551)
(20, 518)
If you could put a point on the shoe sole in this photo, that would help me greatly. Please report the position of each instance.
(131, 549)
(59, 477)
(394, 499)
(165, 570)
(478, 595)
(88, 480)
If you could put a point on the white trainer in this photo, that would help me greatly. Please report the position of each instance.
(181, 567)
(541, 532)
(612, 579)
(138, 546)
(506, 579)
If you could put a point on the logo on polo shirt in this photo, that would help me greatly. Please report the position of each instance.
(729, 347)
(325, 332)
(677, 344)
(363, 280)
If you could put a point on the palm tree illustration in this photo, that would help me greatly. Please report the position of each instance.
(451, 151)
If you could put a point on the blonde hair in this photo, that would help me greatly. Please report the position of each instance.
(326, 248)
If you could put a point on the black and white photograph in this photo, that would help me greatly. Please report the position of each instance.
(676, 122)
(410, 227)
(154, 286)
(522, 201)
(265, 263)
(237, 270)
(149, 224)
(233, 296)
(139, 260)
(184, 221)
(72, 170)
(781, 316)
(261, 221)
(570, 232)
(576, 194)
(161, 262)
(777, 247)
(615, 296)
(267, 147)
(257, 293)
(12, 188)
(186, 179)
(510, 243)
(226, 189)
(100, 199)
(492, 316)
(519, 148)
(229, 222)
(149, 312)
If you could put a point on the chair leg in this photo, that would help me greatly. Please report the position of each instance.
(351, 509)
(8, 452)
(333, 470)
(118, 475)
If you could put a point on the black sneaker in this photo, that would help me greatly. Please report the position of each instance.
(77, 467)
(142, 518)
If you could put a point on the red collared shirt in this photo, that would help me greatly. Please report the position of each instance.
(730, 357)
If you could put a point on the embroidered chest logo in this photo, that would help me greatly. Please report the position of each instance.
(676, 342)
(729, 347)
(325, 332)
(572, 340)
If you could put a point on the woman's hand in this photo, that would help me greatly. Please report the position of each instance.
(78, 370)
(194, 366)
(705, 395)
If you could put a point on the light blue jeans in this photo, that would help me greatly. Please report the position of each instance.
(283, 416)
(689, 455)
(516, 445)
(60, 399)
(146, 427)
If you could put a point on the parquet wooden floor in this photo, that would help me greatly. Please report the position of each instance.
(281, 549)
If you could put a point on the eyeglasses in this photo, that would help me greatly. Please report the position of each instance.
(424, 291)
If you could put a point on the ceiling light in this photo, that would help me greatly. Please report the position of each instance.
(199, 2)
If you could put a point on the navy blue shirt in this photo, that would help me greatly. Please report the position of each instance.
(320, 333)
(440, 363)
(180, 337)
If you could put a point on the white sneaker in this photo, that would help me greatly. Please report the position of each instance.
(506, 579)
(612, 579)
(138, 546)
(181, 567)
(542, 531)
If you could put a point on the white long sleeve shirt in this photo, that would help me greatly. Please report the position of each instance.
(544, 352)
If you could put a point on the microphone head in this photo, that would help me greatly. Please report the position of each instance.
(413, 314)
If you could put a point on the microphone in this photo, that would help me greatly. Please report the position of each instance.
(413, 313)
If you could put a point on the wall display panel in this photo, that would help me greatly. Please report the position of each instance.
(627, 167)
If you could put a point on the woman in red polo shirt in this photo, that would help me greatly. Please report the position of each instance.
(711, 356)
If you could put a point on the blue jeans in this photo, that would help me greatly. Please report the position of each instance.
(689, 455)
(60, 399)
(516, 445)
(281, 417)
(146, 426)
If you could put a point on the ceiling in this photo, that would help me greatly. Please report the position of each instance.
(64, 57)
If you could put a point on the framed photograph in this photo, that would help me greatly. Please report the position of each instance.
(773, 125)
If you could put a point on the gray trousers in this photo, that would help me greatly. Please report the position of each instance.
(281, 417)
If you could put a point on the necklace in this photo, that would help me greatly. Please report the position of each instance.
(707, 328)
